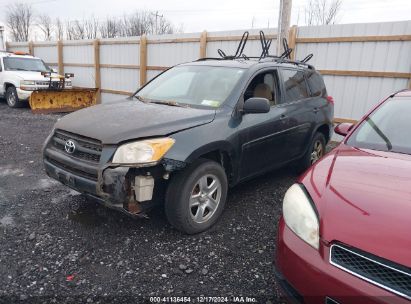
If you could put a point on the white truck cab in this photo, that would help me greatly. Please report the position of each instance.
(21, 74)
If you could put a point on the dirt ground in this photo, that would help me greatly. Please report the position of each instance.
(57, 248)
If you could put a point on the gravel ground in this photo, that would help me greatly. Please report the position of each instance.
(57, 248)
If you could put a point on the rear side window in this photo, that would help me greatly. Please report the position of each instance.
(294, 85)
(316, 83)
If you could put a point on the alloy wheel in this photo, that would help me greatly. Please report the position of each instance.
(205, 198)
(12, 98)
(318, 151)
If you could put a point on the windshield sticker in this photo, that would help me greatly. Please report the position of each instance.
(211, 103)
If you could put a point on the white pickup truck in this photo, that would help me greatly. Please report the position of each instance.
(21, 74)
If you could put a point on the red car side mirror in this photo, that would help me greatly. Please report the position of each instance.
(343, 128)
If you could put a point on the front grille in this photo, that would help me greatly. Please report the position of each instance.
(72, 169)
(86, 149)
(381, 272)
(83, 161)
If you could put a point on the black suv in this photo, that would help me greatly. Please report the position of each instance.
(192, 132)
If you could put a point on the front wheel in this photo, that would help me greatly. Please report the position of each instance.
(12, 98)
(315, 151)
(196, 196)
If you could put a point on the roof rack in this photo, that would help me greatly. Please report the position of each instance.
(285, 57)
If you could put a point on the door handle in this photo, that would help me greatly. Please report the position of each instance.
(315, 110)
(283, 116)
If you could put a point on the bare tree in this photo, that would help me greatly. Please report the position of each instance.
(91, 28)
(46, 26)
(75, 30)
(320, 12)
(59, 29)
(165, 27)
(19, 19)
(110, 28)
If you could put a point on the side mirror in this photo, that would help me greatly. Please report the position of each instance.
(256, 105)
(343, 128)
(53, 70)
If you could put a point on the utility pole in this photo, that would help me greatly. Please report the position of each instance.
(284, 19)
(157, 15)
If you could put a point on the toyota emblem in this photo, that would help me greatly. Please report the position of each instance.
(70, 146)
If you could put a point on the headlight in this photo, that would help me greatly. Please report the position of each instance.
(27, 82)
(143, 152)
(300, 215)
(27, 85)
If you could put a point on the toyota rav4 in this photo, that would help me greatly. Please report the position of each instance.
(191, 133)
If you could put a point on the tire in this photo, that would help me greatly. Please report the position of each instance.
(190, 205)
(315, 151)
(12, 98)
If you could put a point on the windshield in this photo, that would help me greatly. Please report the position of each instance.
(193, 85)
(24, 64)
(386, 129)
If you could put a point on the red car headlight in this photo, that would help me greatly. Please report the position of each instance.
(301, 216)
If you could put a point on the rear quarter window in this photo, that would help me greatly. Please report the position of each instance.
(295, 86)
(315, 83)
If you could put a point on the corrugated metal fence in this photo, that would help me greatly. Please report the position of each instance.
(361, 63)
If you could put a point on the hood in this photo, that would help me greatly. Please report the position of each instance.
(364, 200)
(30, 75)
(113, 123)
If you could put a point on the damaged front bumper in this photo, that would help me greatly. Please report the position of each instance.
(132, 190)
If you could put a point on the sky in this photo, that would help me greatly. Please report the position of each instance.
(214, 15)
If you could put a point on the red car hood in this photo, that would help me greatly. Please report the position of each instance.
(364, 200)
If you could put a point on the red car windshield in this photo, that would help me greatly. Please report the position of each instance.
(387, 128)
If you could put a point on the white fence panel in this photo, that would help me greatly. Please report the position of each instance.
(125, 54)
(47, 53)
(356, 95)
(78, 53)
(83, 76)
(127, 80)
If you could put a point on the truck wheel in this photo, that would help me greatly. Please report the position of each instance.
(12, 98)
(196, 197)
(315, 151)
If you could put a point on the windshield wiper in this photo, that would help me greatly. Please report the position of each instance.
(379, 132)
(168, 103)
(140, 98)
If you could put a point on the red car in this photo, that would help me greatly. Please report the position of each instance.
(345, 233)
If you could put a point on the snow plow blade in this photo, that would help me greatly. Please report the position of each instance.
(60, 101)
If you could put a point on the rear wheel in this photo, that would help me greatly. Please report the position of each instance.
(315, 151)
(12, 98)
(196, 197)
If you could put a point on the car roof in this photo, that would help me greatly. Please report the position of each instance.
(246, 63)
(404, 93)
(10, 54)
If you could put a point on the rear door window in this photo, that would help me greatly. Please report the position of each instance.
(295, 86)
(315, 83)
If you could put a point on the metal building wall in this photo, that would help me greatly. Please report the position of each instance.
(354, 95)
